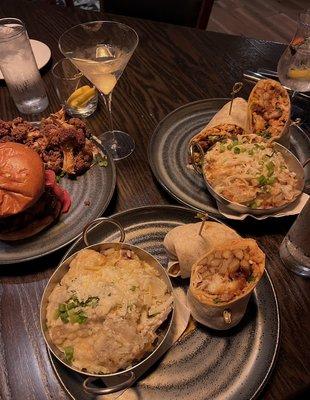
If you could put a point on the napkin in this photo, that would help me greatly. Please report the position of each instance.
(180, 323)
(293, 209)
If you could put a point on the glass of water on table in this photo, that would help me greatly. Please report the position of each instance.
(19, 68)
(295, 248)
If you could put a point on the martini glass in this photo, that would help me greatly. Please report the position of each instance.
(101, 51)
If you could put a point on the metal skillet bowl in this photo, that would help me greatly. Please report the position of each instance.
(292, 162)
(123, 378)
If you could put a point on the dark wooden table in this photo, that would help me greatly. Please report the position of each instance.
(172, 66)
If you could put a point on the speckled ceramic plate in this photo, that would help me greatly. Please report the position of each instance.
(168, 153)
(90, 195)
(205, 364)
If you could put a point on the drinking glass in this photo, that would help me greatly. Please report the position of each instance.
(294, 64)
(77, 98)
(101, 51)
(19, 67)
(295, 248)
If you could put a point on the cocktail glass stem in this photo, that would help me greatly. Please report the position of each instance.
(108, 103)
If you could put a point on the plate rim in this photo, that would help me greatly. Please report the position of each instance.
(76, 237)
(39, 67)
(192, 210)
(153, 165)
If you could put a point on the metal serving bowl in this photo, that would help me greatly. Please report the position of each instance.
(292, 162)
(124, 378)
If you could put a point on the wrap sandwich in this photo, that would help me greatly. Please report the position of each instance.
(269, 110)
(223, 125)
(185, 246)
(222, 282)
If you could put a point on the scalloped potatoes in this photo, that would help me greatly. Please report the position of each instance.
(105, 312)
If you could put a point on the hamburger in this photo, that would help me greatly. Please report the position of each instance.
(30, 198)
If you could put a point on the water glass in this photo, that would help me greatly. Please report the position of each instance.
(295, 248)
(19, 68)
(73, 90)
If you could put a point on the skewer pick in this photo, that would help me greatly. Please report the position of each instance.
(236, 88)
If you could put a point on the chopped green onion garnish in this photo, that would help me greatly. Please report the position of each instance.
(237, 150)
(101, 161)
(62, 308)
(229, 147)
(222, 148)
(216, 300)
(270, 168)
(81, 318)
(271, 180)
(262, 180)
(64, 317)
(69, 354)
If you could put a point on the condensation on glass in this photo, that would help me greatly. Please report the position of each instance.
(19, 68)
(295, 248)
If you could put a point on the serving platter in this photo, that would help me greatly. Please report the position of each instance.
(90, 194)
(204, 364)
(168, 158)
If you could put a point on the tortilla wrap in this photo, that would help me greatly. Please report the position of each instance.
(269, 110)
(223, 124)
(222, 282)
(185, 246)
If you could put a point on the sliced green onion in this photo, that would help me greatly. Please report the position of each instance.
(69, 351)
(64, 317)
(270, 168)
(222, 148)
(271, 180)
(237, 150)
(262, 180)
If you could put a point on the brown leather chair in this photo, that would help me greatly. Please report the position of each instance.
(194, 13)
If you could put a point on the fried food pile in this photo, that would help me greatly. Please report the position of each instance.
(63, 146)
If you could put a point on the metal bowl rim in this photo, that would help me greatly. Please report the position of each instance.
(256, 211)
(143, 360)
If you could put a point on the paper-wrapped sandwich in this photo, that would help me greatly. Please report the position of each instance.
(269, 110)
(185, 245)
(222, 282)
(224, 125)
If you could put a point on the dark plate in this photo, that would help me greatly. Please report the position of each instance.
(90, 195)
(168, 152)
(205, 364)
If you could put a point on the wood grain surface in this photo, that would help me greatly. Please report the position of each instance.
(172, 66)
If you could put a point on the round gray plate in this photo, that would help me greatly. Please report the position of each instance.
(205, 364)
(90, 195)
(167, 152)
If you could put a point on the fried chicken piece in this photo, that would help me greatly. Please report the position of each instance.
(70, 141)
(7, 138)
(53, 160)
(83, 161)
(5, 128)
(80, 125)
